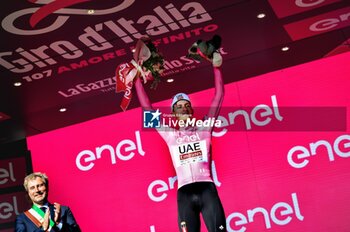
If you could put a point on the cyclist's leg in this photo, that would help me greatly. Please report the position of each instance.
(212, 210)
(188, 210)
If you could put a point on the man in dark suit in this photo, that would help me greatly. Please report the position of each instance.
(44, 216)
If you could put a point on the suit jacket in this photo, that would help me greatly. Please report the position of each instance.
(69, 224)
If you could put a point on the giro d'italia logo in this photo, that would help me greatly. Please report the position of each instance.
(151, 118)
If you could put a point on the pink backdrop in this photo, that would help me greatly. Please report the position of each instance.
(269, 179)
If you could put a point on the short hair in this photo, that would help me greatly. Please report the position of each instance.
(33, 176)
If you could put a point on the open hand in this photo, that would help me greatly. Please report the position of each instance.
(46, 223)
(57, 217)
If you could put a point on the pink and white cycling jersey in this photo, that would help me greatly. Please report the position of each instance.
(189, 147)
(190, 153)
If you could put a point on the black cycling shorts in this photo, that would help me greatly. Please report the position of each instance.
(196, 198)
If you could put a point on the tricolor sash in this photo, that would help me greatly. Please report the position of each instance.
(36, 215)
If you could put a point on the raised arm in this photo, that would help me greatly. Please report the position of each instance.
(146, 105)
(219, 94)
(142, 95)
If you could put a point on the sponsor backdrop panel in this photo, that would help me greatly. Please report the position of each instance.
(291, 7)
(71, 52)
(311, 93)
(319, 24)
(15, 163)
(273, 170)
(77, 53)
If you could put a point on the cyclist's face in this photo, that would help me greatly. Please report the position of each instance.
(183, 109)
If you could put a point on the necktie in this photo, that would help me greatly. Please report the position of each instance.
(43, 209)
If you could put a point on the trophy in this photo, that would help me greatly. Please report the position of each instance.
(206, 50)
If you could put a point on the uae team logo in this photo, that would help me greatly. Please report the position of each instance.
(151, 118)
